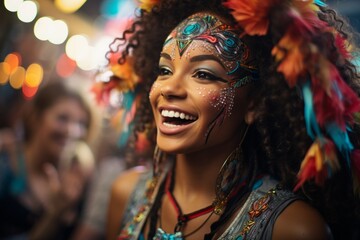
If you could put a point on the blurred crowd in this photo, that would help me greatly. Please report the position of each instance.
(57, 162)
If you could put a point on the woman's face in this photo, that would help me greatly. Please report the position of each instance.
(61, 124)
(200, 97)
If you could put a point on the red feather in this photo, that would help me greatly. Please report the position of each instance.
(340, 43)
(334, 108)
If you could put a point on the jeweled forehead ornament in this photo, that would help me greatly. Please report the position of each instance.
(230, 49)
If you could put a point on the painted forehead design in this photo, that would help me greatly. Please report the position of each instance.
(223, 37)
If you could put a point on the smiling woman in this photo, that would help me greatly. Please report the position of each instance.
(253, 110)
(197, 79)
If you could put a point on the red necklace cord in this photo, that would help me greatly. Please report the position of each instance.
(184, 218)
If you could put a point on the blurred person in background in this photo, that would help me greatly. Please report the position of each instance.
(115, 153)
(110, 164)
(44, 178)
(11, 106)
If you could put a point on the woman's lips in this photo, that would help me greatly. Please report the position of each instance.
(175, 121)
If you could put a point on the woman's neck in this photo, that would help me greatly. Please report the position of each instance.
(196, 173)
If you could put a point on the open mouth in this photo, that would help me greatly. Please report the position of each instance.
(176, 118)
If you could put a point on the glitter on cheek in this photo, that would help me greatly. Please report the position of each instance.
(211, 96)
(227, 98)
(219, 98)
(214, 98)
(156, 85)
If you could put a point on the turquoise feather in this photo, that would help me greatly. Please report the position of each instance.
(341, 140)
(320, 3)
(129, 98)
(312, 126)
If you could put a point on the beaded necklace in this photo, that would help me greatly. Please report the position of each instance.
(183, 219)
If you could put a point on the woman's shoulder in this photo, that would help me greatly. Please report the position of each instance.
(122, 189)
(299, 220)
(274, 212)
(124, 185)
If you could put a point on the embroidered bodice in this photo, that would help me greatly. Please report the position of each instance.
(254, 220)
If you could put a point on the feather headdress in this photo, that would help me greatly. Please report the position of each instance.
(118, 80)
(330, 104)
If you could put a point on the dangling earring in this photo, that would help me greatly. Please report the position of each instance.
(158, 161)
(228, 177)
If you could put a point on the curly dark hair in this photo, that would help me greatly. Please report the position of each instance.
(277, 141)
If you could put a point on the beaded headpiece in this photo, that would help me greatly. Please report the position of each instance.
(223, 37)
(330, 105)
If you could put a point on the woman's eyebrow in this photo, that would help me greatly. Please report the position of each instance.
(165, 55)
(200, 58)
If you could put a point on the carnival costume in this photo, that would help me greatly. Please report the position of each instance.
(330, 108)
(254, 220)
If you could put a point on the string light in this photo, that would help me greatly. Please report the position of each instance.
(34, 75)
(17, 77)
(4, 72)
(12, 5)
(69, 6)
(27, 11)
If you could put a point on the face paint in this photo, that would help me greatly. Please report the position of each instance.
(222, 100)
(210, 32)
(155, 86)
(219, 99)
(200, 38)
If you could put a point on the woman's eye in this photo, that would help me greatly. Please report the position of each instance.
(63, 118)
(206, 76)
(163, 71)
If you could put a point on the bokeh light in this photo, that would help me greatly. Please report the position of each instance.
(27, 11)
(59, 32)
(47, 29)
(14, 60)
(29, 92)
(4, 72)
(101, 48)
(87, 59)
(76, 45)
(110, 8)
(42, 28)
(12, 5)
(34, 75)
(17, 77)
(65, 66)
(69, 6)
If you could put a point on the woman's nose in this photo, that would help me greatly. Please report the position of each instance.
(174, 87)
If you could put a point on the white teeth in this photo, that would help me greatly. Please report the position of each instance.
(174, 114)
(170, 125)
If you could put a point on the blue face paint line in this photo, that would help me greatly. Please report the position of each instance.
(235, 69)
